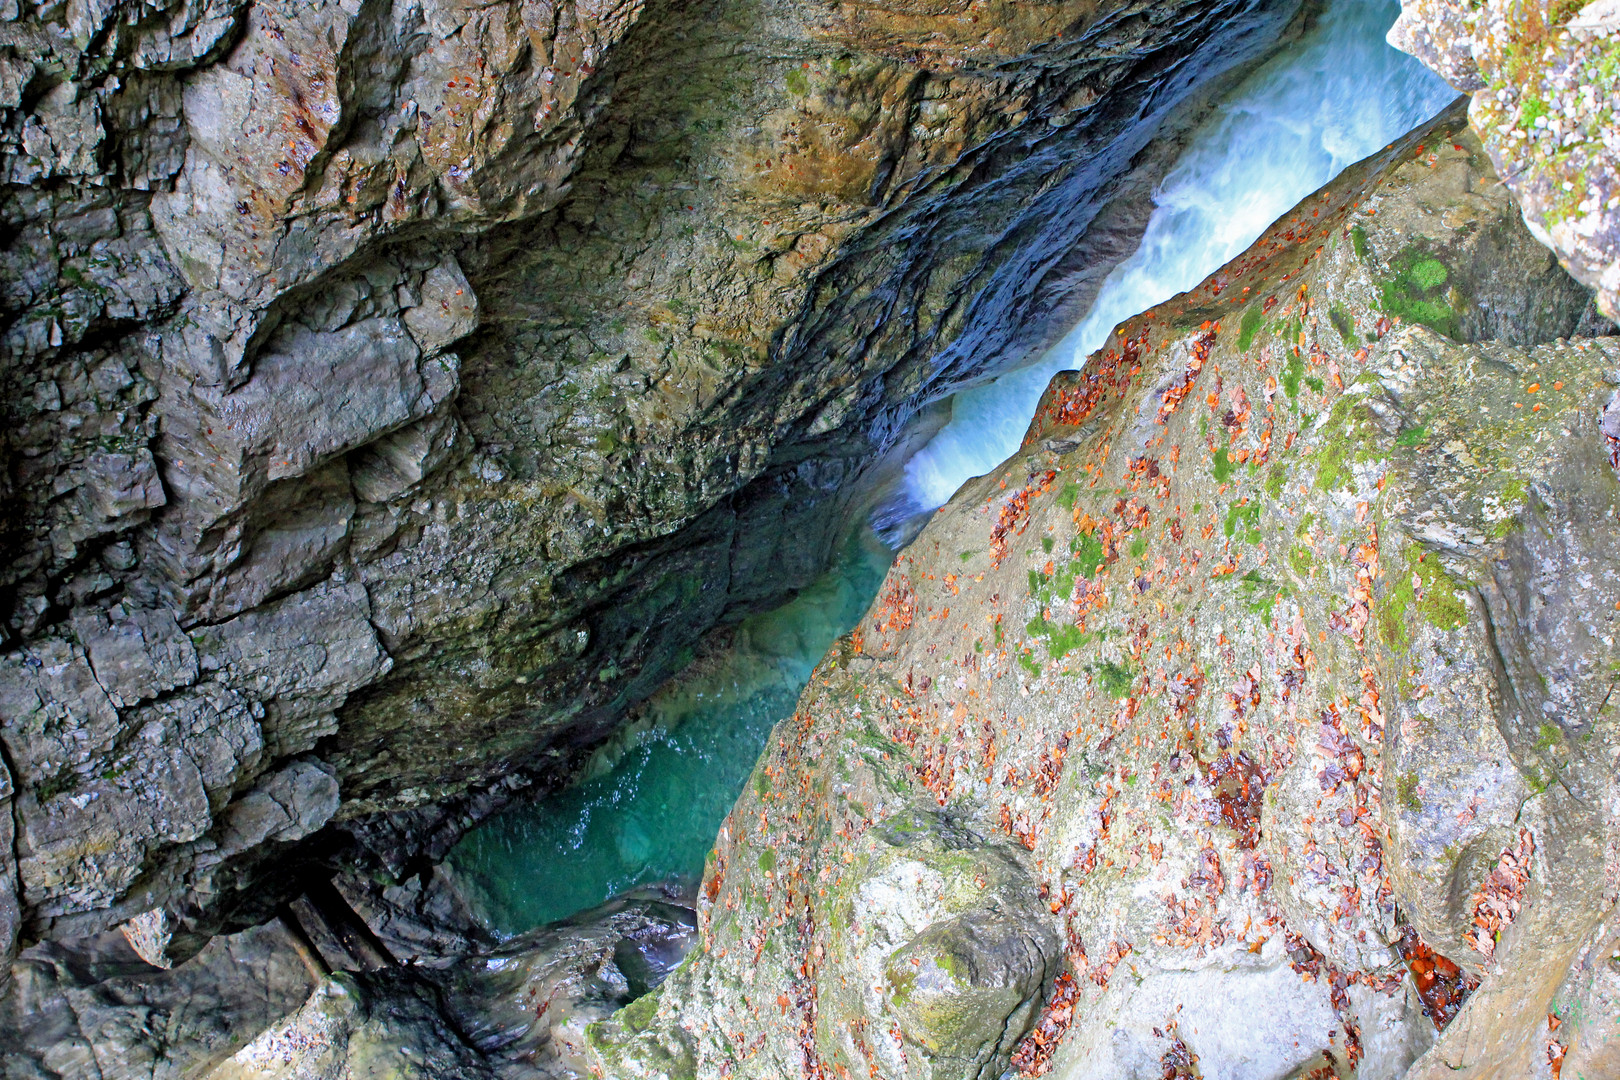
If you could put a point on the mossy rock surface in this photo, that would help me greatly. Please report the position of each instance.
(1292, 674)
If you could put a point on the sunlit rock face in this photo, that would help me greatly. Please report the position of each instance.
(396, 392)
(1253, 720)
(1545, 85)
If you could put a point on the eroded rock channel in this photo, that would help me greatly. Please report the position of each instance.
(399, 396)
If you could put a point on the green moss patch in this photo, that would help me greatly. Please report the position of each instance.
(1301, 559)
(1116, 680)
(1406, 786)
(1249, 327)
(1416, 291)
(1088, 555)
(1259, 593)
(1344, 324)
(1060, 640)
(1243, 522)
(1358, 240)
(1349, 438)
(1276, 479)
(1413, 436)
(1422, 587)
(1291, 374)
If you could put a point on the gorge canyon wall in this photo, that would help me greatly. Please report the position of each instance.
(397, 392)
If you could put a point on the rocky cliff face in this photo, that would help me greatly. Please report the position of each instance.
(1545, 86)
(397, 391)
(1255, 720)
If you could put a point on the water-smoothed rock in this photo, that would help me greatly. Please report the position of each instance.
(1545, 86)
(98, 1009)
(516, 1010)
(1279, 660)
(396, 393)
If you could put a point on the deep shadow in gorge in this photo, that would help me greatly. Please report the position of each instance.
(531, 855)
(965, 269)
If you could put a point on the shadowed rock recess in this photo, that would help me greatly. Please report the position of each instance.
(1254, 720)
(395, 393)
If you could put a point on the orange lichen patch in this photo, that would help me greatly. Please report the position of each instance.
(1014, 516)
(1343, 759)
(1178, 1062)
(1355, 619)
(1441, 985)
(1240, 792)
(1556, 1050)
(1033, 1057)
(1191, 922)
(1104, 970)
(1372, 717)
(1499, 898)
(1172, 397)
(897, 607)
(1074, 396)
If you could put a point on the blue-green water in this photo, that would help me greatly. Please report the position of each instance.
(656, 813)
(1337, 94)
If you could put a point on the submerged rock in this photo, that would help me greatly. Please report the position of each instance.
(1270, 681)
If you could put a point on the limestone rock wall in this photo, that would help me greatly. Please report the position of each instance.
(1255, 720)
(1545, 84)
(396, 391)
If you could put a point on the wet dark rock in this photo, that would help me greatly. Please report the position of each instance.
(394, 398)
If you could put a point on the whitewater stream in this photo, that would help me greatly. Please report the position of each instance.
(1336, 96)
(1333, 97)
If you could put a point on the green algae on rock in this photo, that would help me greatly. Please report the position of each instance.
(410, 388)
(1351, 629)
(1545, 80)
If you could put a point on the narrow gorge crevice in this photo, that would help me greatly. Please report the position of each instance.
(442, 440)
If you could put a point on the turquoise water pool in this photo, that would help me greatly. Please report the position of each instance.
(655, 813)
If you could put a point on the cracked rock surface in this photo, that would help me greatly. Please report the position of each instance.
(1272, 682)
(395, 393)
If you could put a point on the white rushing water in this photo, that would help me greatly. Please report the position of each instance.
(1341, 94)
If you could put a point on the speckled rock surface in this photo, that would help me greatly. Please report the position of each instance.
(97, 1008)
(1273, 678)
(396, 392)
(1545, 84)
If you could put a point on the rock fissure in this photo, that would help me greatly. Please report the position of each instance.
(397, 395)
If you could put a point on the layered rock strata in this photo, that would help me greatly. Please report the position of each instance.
(1255, 720)
(396, 392)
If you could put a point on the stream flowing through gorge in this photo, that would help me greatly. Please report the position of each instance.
(1329, 99)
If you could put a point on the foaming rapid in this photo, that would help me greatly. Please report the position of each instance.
(1337, 96)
